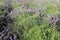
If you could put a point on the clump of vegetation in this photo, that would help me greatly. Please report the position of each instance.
(33, 21)
(32, 27)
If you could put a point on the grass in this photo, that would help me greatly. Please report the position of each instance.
(32, 27)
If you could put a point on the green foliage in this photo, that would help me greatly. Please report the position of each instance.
(51, 8)
(42, 32)
(15, 5)
(33, 5)
(2, 8)
(31, 27)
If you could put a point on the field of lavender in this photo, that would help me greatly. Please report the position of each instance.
(29, 19)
